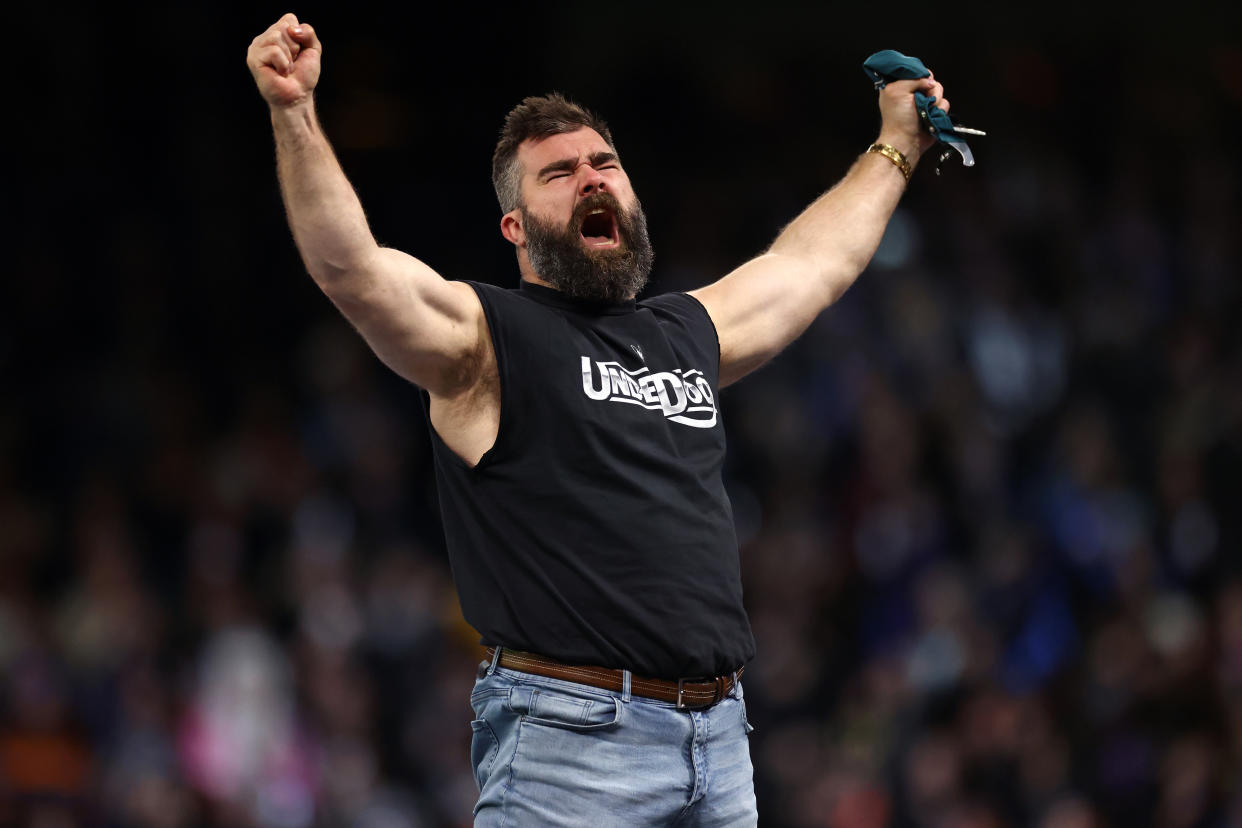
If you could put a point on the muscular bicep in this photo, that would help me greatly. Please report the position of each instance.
(428, 330)
(761, 307)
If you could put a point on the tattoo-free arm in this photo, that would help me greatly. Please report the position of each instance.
(426, 329)
(765, 304)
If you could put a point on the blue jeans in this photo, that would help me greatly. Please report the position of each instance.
(548, 752)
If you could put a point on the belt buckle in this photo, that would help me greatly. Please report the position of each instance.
(717, 695)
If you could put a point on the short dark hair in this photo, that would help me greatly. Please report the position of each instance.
(536, 117)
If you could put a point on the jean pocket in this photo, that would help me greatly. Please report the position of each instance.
(571, 710)
(483, 749)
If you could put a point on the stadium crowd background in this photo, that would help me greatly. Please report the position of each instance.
(989, 504)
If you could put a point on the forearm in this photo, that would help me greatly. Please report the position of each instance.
(839, 232)
(324, 213)
(763, 305)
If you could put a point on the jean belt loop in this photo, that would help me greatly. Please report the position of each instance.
(495, 660)
(626, 677)
(736, 690)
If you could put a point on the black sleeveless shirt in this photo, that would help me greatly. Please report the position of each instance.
(597, 529)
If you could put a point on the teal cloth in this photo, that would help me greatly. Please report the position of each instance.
(890, 65)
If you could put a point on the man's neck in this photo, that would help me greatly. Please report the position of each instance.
(533, 278)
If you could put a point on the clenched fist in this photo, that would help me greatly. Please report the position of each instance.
(285, 62)
(900, 125)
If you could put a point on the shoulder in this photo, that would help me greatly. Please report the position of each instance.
(486, 290)
(504, 297)
(683, 310)
(499, 302)
(679, 305)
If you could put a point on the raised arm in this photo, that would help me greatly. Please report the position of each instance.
(769, 301)
(428, 330)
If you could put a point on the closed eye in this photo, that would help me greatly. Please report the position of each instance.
(566, 166)
(605, 161)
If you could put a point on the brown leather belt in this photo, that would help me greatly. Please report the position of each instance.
(687, 694)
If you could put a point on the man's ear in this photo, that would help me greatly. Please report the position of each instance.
(511, 228)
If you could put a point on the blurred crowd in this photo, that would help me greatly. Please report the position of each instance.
(990, 505)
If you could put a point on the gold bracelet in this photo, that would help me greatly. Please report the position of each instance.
(892, 154)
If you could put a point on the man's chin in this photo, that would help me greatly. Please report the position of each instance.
(603, 280)
(593, 272)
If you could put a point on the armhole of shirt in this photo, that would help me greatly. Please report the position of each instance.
(498, 445)
(710, 322)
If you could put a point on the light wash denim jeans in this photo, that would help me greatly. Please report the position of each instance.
(548, 752)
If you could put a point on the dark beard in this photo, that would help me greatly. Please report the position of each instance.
(605, 276)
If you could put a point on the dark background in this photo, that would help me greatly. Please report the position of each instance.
(989, 504)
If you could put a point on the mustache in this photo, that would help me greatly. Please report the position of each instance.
(595, 201)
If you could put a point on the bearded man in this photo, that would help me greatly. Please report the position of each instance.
(578, 445)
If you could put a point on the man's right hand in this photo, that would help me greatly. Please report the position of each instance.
(285, 62)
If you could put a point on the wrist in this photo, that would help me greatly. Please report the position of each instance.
(300, 112)
(893, 156)
(908, 146)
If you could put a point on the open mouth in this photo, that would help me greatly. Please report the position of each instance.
(599, 228)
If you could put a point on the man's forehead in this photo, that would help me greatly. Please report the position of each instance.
(581, 143)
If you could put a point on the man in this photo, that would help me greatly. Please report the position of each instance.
(578, 445)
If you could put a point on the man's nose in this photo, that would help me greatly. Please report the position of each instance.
(592, 181)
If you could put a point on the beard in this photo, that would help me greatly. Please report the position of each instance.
(602, 275)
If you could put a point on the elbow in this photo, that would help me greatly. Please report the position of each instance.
(836, 274)
(340, 271)
(328, 274)
(831, 276)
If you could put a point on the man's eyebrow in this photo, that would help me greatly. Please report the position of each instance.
(563, 165)
(569, 164)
